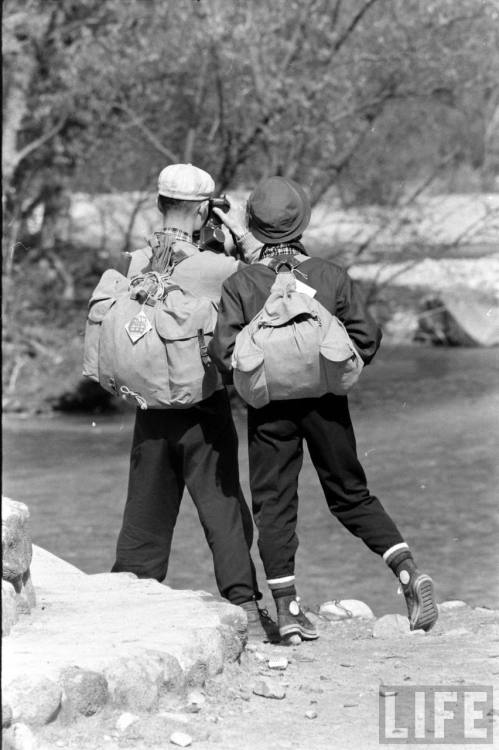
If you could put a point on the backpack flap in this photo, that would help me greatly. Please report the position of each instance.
(111, 286)
(185, 324)
(341, 363)
(181, 315)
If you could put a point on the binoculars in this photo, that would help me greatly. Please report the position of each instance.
(212, 236)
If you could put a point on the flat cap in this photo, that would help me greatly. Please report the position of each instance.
(185, 182)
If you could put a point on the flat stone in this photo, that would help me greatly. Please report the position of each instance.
(269, 689)
(391, 626)
(143, 637)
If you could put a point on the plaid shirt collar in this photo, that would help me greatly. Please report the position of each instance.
(178, 234)
(281, 249)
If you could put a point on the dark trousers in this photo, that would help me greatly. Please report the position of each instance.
(275, 437)
(194, 448)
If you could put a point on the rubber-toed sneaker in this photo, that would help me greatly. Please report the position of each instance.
(419, 595)
(292, 620)
(261, 626)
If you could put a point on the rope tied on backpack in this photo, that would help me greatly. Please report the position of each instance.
(125, 391)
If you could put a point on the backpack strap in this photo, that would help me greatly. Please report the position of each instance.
(280, 262)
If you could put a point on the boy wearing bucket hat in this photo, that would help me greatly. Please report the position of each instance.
(194, 447)
(277, 213)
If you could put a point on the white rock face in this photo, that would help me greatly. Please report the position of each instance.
(345, 609)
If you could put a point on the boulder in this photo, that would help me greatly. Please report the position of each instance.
(34, 700)
(134, 682)
(16, 541)
(17, 552)
(85, 692)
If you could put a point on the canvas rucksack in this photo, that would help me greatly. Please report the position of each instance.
(146, 338)
(293, 348)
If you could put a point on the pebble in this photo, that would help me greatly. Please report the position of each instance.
(391, 626)
(196, 698)
(268, 689)
(346, 609)
(278, 662)
(260, 657)
(125, 720)
(181, 739)
(311, 714)
(251, 647)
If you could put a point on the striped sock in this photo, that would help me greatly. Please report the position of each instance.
(284, 586)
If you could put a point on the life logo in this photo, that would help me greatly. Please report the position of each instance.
(436, 714)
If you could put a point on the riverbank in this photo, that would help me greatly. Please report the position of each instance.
(328, 693)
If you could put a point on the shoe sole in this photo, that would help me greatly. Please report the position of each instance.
(426, 613)
(305, 635)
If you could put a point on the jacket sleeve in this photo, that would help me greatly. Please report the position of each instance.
(229, 322)
(361, 326)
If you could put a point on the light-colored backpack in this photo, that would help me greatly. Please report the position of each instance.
(146, 339)
(293, 348)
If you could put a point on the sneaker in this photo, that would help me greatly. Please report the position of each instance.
(292, 620)
(261, 626)
(420, 599)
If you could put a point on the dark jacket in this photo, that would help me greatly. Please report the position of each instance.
(244, 294)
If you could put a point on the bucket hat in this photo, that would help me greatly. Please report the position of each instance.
(278, 210)
(185, 182)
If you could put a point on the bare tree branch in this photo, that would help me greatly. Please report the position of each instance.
(352, 25)
(151, 137)
(39, 142)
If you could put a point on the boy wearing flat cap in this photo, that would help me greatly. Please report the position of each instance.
(277, 213)
(194, 447)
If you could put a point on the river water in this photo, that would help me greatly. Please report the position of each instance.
(427, 425)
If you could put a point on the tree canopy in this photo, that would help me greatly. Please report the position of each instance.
(364, 95)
